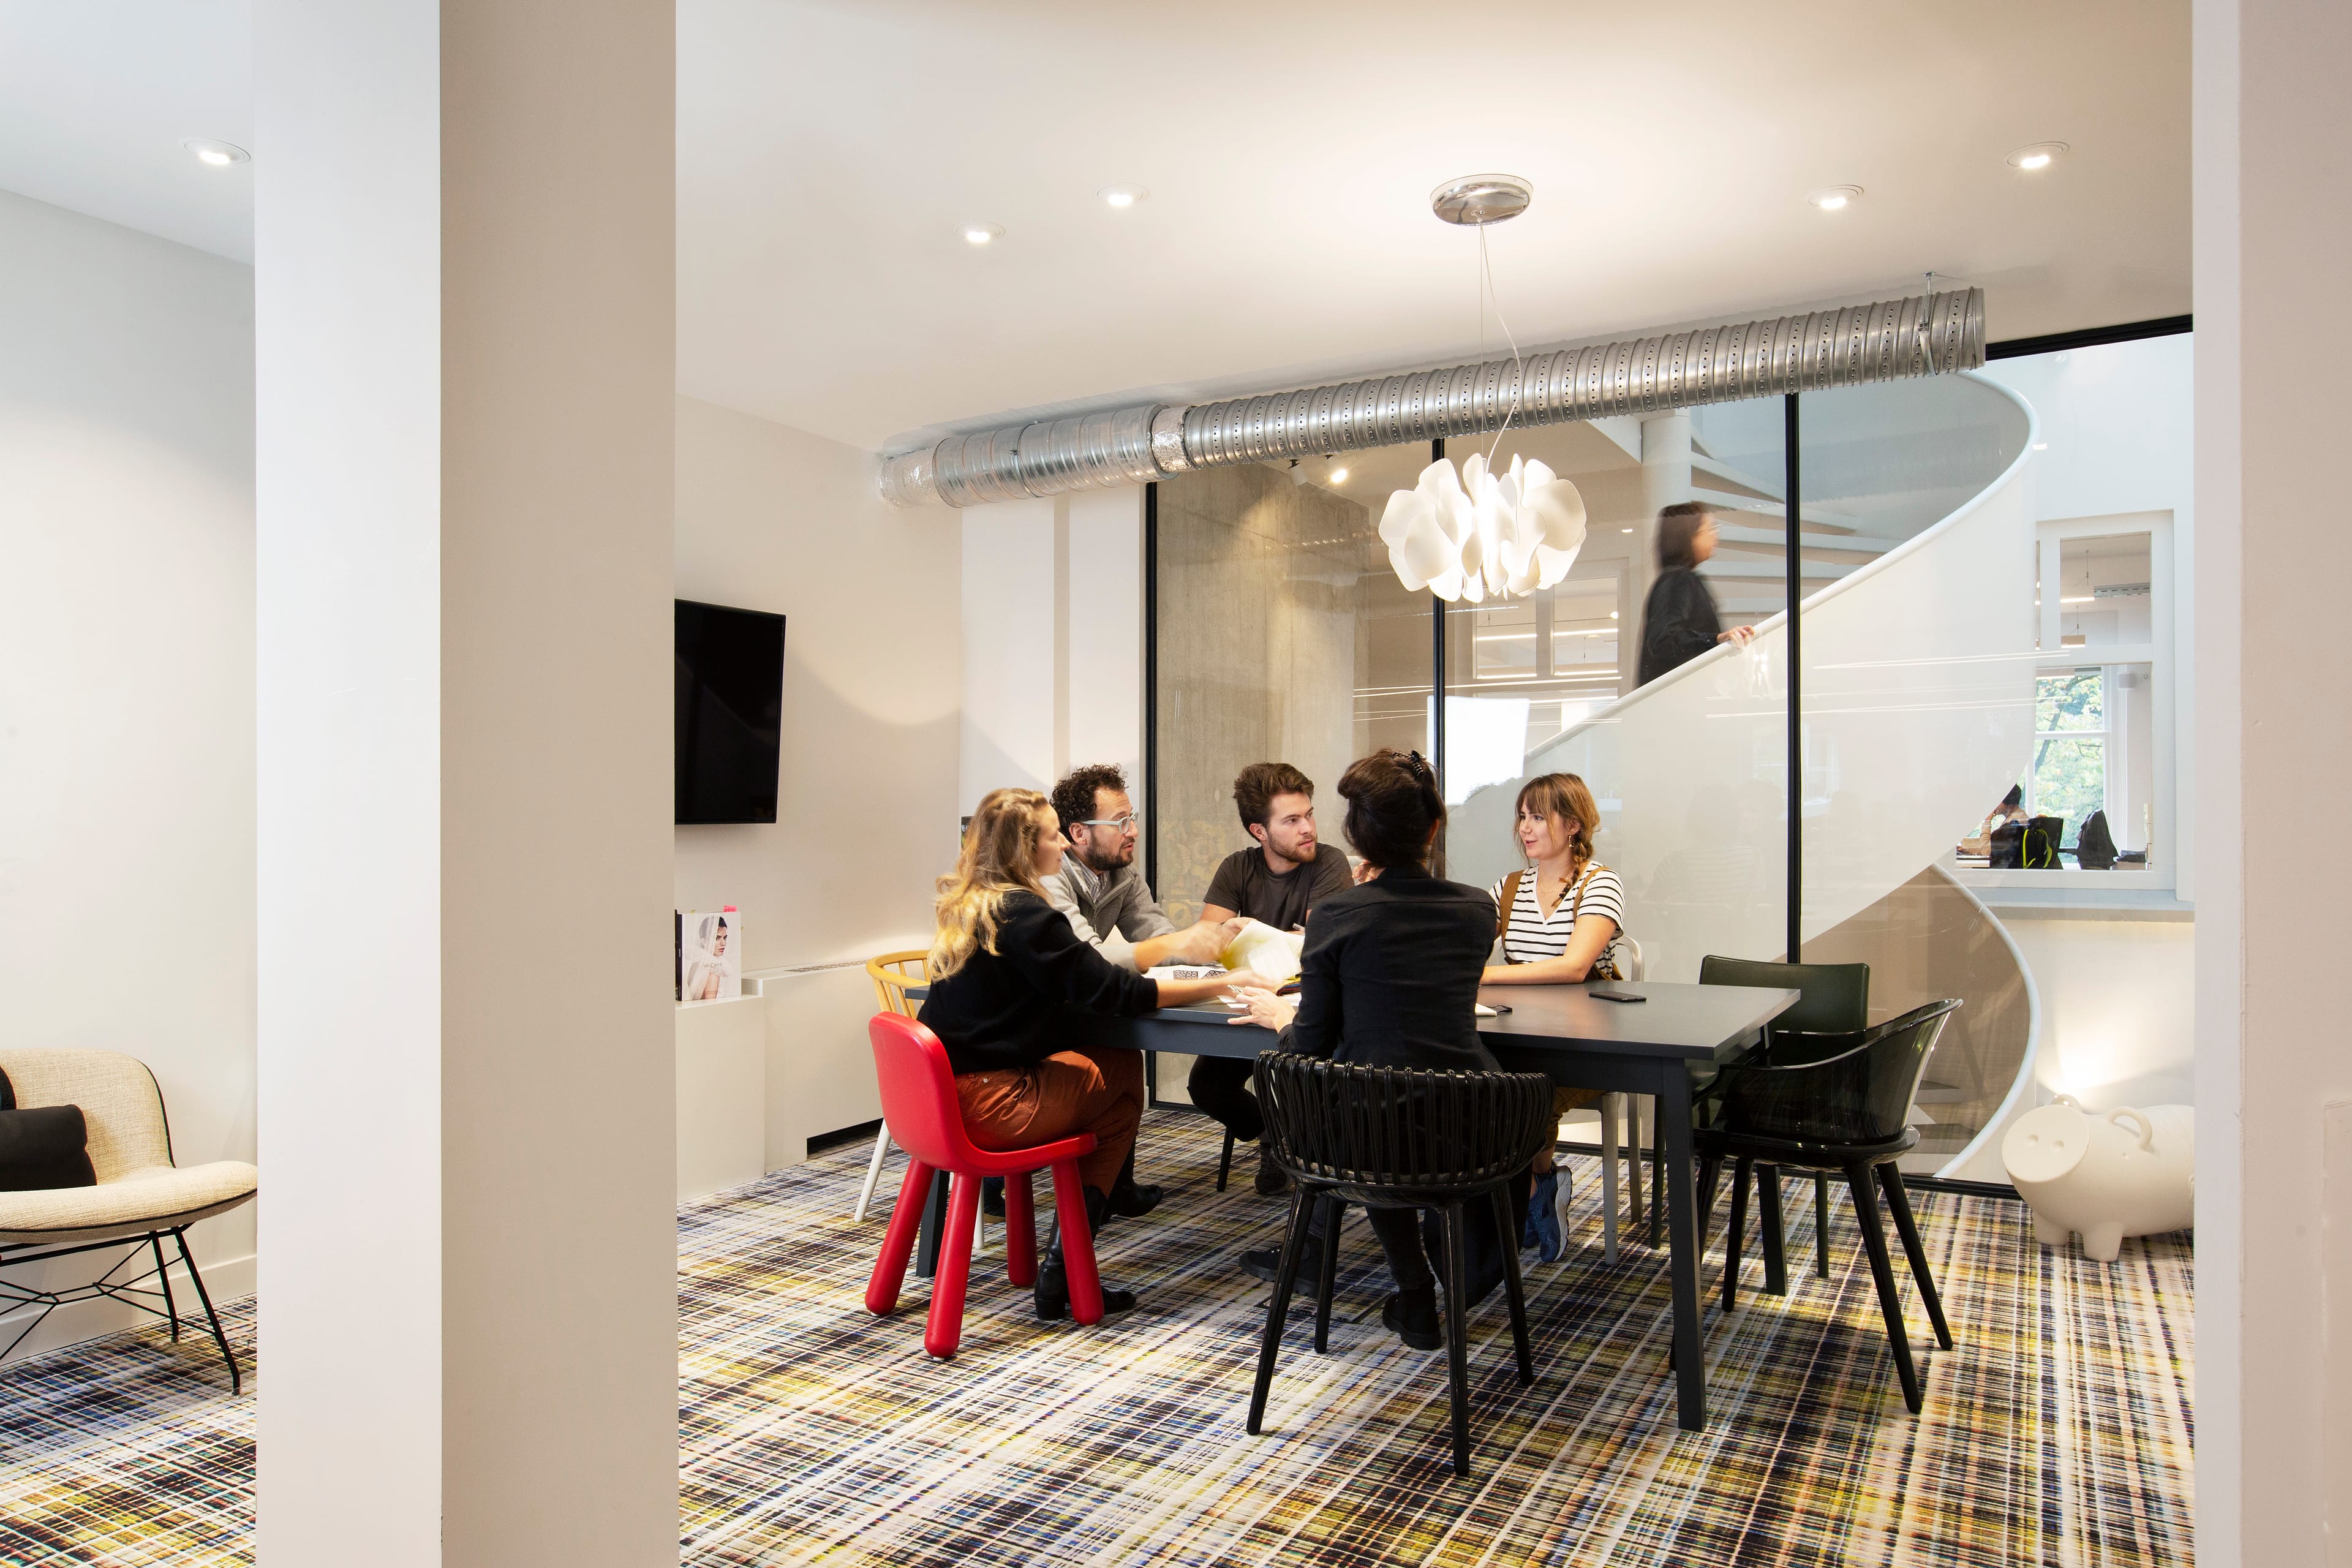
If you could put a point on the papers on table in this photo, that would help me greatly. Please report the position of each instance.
(1483, 1011)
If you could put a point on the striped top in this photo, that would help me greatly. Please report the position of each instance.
(1531, 936)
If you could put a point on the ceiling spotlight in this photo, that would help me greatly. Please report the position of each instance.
(982, 233)
(1339, 476)
(1122, 195)
(218, 154)
(2041, 155)
(1830, 198)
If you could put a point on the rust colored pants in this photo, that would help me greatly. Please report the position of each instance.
(1086, 1089)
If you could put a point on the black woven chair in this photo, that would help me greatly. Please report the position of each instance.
(1833, 998)
(1843, 1104)
(1394, 1137)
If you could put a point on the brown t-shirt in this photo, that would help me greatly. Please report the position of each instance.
(1243, 885)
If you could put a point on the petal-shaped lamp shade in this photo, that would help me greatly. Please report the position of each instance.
(1483, 534)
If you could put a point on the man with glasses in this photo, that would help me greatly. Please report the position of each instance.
(1103, 893)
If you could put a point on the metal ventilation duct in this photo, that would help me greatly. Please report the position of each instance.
(1924, 335)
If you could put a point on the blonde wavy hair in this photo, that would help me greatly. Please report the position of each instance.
(998, 859)
(1564, 795)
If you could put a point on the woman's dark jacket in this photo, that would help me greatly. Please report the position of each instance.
(1008, 1008)
(1389, 976)
(1678, 621)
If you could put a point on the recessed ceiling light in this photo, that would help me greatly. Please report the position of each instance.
(982, 233)
(2041, 155)
(1339, 476)
(1624, 531)
(1122, 195)
(218, 154)
(1830, 198)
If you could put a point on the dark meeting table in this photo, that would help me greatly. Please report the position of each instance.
(1576, 1040)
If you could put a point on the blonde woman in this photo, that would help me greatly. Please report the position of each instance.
(1557, 922)
(1005, 967)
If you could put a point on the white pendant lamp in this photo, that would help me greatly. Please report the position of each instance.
(1484, 533)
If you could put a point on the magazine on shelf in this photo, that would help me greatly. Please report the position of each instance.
(710, 954)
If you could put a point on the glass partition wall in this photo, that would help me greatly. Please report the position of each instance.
(1984, 675)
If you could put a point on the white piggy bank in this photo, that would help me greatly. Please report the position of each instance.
(2127, 1172)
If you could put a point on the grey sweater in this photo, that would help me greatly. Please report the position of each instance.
(1112, 913)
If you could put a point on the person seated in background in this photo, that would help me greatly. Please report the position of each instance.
(1557, 922)
(2011, 809)
(1005, 968)
(1103, 896)
(1391, 979)
(1287, 871)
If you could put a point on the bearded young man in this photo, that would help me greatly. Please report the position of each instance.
(1277, 880)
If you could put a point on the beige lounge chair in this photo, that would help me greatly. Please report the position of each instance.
(141, 1194)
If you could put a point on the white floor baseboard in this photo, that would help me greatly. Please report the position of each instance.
(227, 1279)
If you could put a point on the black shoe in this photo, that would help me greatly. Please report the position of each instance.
(1265, 1264)
(1051, 1294)
(1272, 1180)
(1131, 1200)
(991, 1198)
(1411, 1315)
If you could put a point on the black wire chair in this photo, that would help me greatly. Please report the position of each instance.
(1838, 1103)
(1398, 1138)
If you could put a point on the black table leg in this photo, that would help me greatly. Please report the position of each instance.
(934, 1221)
(1682, 1231)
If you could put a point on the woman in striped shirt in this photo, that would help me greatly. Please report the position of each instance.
(1558, 922)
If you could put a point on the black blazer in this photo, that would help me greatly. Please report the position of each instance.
(1678, 621)
(1391, 973)
(1008, 1008)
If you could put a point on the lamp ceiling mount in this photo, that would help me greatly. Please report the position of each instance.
(1479, 199)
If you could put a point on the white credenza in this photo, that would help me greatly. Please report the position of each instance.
(820, 1065)
(722, 1094)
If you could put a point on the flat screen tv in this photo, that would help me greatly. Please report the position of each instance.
(730, 703)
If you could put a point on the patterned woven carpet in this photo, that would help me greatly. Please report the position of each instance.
(2057, 1432)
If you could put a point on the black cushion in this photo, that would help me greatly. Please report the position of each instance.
(48, 1146)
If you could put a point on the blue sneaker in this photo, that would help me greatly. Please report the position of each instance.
(1543, 1218)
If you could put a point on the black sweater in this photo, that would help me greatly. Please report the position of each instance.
(1678, 621)
(1004, 1009)
(1391, 973)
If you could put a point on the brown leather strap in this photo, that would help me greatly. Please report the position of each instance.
(1503, 915)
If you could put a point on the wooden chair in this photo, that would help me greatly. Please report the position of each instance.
(892, 973)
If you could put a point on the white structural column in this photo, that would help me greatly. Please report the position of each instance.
(1666, 479)
(2273, 1328)
(465, 301)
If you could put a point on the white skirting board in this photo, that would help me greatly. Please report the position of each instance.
(820, 1065)
(227, 1279)
(721, 1095)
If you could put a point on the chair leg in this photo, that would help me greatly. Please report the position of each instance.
(1657, 1188)
(1517, 1296)
(1611, 1104)
(1078, 1243)
(1899, 1202)
(1327, 1270)
(1637, 1134)
(1882, 1269)
(163, 1279)
(899, 1241)
(873, 1176)
(1225, 1161)
(1737, 1235)
(1020, 1231)
(1710, 1175)
(236, 1382)
(1772, 1222)
(943, 1329)
(1457, 1359)
(1820, 1225)
(1277, 1307)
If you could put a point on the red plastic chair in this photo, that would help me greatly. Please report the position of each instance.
(924, 1119)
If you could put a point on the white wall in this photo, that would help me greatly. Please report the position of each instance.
(2118, 999)
(126, 681)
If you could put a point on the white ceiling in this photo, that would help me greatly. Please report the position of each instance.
(830, 153)
(96, 94)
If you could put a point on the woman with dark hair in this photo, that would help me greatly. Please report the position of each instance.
(1678, 620)
(1390, 978)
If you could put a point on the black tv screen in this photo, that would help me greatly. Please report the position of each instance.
(731, 703)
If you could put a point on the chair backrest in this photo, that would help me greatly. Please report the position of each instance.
(892, 973)
(1861, 1095)
(1836, 995)
(919, 1091)
(120, 1101)
(1400, 1127)
(1631, 965)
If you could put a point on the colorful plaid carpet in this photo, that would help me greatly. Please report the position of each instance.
(2058, 1431)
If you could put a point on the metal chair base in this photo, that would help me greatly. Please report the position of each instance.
(131, 1291)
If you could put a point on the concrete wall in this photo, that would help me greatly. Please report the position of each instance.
(126, 683)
